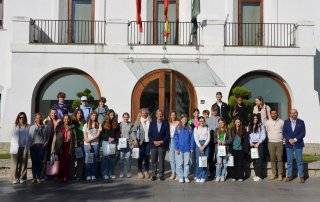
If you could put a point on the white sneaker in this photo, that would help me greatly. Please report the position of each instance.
(197, 180)
(106, 177)
(129, 175)
(233, 180)
(217, 179)
(240, 180)
(23, 181)
(256, 179)
(223, 179)
(16, 181)
(88, 178)
(121, 175)
(187, 180)
(93, 178)
(202, 180)
(113, 177)
(181, 180)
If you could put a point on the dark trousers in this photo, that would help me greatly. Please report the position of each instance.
(211, 159)
(144, 157)
(237, 172)
(20, 164)
(37, 155)
(158, 155)
(258, 163)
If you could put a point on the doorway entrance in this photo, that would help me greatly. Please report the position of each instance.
(167, 90)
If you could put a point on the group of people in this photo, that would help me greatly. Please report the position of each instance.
(219, 144)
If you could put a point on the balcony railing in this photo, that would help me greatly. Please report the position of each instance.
(180, 33)
(260, 34)
(67, 32)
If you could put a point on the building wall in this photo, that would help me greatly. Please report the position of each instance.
(23, 65)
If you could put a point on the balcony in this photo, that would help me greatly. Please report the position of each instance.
(281, 35)
(180, 33)
(67, 32)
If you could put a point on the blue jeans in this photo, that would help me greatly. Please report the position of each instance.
(201, 173)
(125, 161)
(37, 156)
(298, 156)
(172, 157)
(108, 163)
(221, 166)
(183, 164)
(91, 167)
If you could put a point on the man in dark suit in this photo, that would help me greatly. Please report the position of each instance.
(159, 134)
(223, 108)
(294, 131)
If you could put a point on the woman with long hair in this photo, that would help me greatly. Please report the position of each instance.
(262, 109)
(19, 149)
(239, 148)
(173, 122)
(109, 137)
(91, 131)
(257, 135)
(222, 138)
(78, 154)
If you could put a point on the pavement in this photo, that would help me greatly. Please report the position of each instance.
(136, 190)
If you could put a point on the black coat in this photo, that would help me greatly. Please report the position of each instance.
(223, 112)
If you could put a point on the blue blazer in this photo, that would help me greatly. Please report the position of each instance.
(299, 133)
(163, 135)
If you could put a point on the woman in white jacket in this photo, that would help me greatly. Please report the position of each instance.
(19, 149)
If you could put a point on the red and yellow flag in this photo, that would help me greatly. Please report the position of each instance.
(166, 25)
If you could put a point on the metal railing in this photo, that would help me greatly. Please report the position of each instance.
(67, 31)
(180, 33)
(260, 34)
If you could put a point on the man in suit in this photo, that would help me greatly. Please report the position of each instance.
(223, 108)
(159, 134)
(294, 131)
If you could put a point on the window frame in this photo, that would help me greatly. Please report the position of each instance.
(2, 16)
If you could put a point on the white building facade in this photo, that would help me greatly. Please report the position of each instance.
(269, 46)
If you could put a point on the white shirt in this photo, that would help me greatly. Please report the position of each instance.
(172, 129)
(201, 134)
(93, 132)
(293, 124)
(264, 113)
(145, 126)
(274, 130)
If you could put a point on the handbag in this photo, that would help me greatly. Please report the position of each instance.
(122, 143)
(135, 153)
(222, 150)
(108, 148)
(203, 161)
(254, 153)
(230, 161)
(52, 167)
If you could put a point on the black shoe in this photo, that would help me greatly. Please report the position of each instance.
(162, 178)
(153, 178)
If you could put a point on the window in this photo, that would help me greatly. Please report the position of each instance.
(1, 14)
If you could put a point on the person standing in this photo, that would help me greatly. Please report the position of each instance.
(222, 138)
(202, 139)
(223, 108)
(239, 148)
(19, 149)
(294, 131)
(67, 132)
(262, 109)
(274, 128)
(61, 107)
(37, 140)
(78, 154)
(239, 111)
(212, 123)
(140, 133)
(102, 109)
(159, 134)
(108, 138)
(194, 122)
(257, 135)
(183, 143)
(85, 107)
(173, 122)
(91, 132)
(125, 153)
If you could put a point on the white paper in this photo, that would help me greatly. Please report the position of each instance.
(222, 150)
(122, 143)
(254, 153)
(230, 161)
(135, 153)
(203, 161)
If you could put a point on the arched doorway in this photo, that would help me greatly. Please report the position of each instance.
(164, 89)
(69, 81)
(271, 87)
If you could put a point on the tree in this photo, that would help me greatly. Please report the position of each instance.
(87, 93)
(245, 93)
